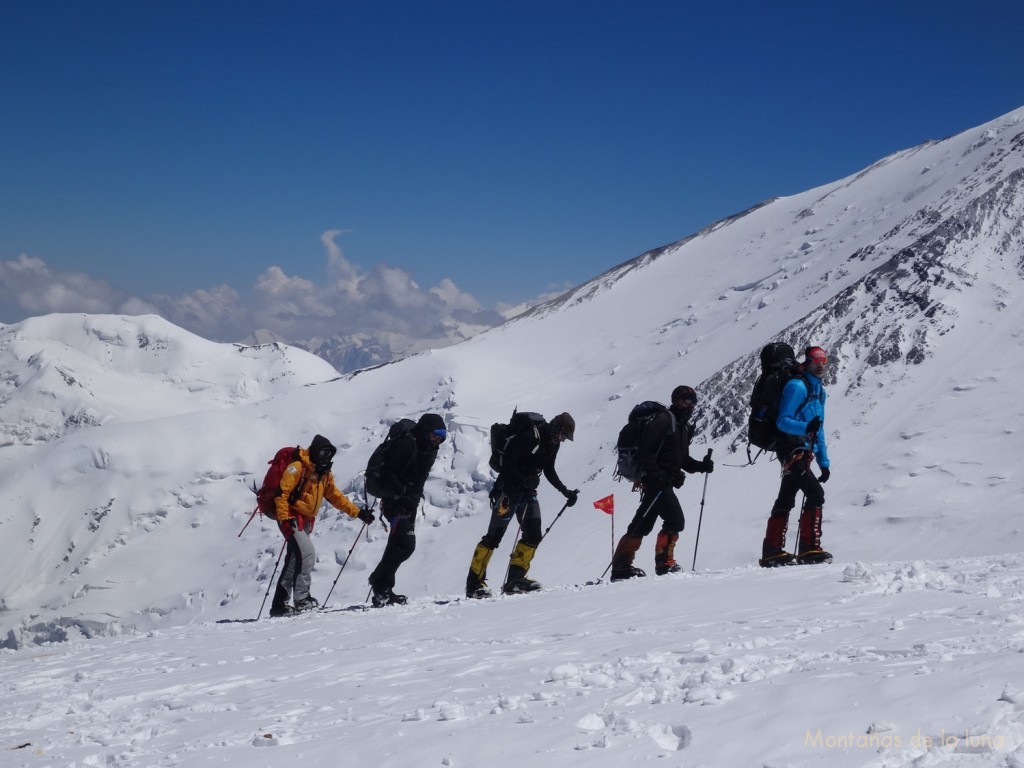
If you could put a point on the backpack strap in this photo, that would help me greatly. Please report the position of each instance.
(807, 387)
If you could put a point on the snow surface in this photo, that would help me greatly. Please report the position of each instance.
(907, 651)
(902, 664)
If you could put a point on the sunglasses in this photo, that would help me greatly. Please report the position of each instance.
(442, 433)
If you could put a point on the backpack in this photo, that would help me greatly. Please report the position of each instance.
(778, 366)
(627, 463)
(267, 495)
(376, 483)
(502, 434)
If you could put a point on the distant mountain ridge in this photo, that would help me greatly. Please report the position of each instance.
(64, 372)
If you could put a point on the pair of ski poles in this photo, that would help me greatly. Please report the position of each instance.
(340, 571)
(519, 530)
(700, 520)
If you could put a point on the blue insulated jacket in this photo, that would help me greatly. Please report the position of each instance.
(798, 406)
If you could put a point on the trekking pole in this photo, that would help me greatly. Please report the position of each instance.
(358, 535)
(564, 507)
(254, 511)
(653, 502)
(796, 539)
(514, 542)
(271, 582)
(700, 519)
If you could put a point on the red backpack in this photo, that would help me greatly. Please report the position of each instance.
(267, 495)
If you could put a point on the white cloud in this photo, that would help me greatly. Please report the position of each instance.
(385, 301)
(28, 286)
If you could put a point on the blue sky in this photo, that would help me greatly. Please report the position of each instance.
(191, 156)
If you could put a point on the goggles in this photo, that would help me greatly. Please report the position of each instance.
(442, 433)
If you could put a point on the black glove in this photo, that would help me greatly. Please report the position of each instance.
(678, 478)
(813, 426)
(707, 466)
(366, 516)
(825, 475)
(571, 497)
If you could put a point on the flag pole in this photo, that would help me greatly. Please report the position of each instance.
(607, 505)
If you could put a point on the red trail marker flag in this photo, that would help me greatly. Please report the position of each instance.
(606, 505)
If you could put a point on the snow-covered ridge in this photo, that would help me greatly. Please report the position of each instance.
(63, 372)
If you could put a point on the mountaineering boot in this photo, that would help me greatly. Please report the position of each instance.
(810, 552)
(520, 586)
(622, 559)
(382, 597)
(279, 605)
(773, 552)
(517, 582)
(476, 579)
(776, 560)
(626, 572)
(307, 603)
(814, 557)
(664, 553)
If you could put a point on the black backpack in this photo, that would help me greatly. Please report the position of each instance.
(502, 434)
(376, 483)
(627, 464)
(778, 366)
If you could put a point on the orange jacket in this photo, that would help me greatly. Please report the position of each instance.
(315, 489)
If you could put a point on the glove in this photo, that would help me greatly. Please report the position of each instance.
(678, 478)
(825, 475)
(707, 466)
(813, 426)
(572, 497)
(287, 527)
(366, 516)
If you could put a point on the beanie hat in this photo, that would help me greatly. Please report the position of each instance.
(321, 453)
(565, 424)
(429, 422)
(685, 394)
(321, 443)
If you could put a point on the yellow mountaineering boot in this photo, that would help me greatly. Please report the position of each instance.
(517, 581)
(476, 580)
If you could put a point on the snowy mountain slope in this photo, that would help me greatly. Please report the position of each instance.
(888, 665)
(64, 372)
(900, 270)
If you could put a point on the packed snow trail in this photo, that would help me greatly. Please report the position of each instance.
(888, 665)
